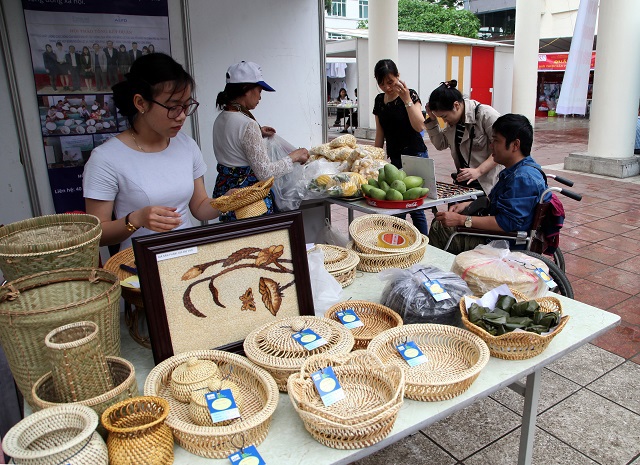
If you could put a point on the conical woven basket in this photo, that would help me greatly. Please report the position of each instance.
(245, 202)
(49, 242)
(32, 306)
(78, 364)
(273, 348)
(59, 435)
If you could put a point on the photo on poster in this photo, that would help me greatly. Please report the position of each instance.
(67, 152)
(77, 114)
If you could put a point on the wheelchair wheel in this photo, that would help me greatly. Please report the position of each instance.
(558, 258)
(563, 286)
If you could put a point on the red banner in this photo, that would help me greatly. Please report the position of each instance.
(558, 61)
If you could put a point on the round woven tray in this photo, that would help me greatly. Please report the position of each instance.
(365, 231)
(32, 306)
(518, 345)
(338, 259)
(373, 263)
(454, 359)
(376, 318)
(124, 379)
(63, 434)
(273, 348)
(247, 201)
(259, 392)
(374, 396)
(49, 242)
(345, 277)
(135, 318)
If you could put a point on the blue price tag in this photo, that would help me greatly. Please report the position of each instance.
(247, 456)
(546, 278)
(328, 386)
(411, 353)
(308, 339)
(434, 288)
(349, 319)
(222, 406)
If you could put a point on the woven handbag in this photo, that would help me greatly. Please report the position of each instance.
(32, 306)
(49, 242)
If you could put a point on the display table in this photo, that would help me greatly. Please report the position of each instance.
(350, 107)
(289, 443)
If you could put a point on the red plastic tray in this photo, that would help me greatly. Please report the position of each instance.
(395, 204)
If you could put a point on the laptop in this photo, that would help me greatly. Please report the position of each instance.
(425, 168)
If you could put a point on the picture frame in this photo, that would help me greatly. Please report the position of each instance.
(210, 286)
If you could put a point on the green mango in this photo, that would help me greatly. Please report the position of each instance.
(381, 175)
(423, 191)
(402, 174)
(366, 188)
(376, 193)
(393, 194)
(412, 194)
(399, 186)
(391, 173)
(384, 186)
(373, 182)
(413, 181)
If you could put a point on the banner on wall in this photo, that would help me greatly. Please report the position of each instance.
(558, 61)
(79, 49)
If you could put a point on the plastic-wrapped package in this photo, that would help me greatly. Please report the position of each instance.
(405, 293)
(488, 266)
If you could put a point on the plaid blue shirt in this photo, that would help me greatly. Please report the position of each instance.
(515, 195)
(637, 147)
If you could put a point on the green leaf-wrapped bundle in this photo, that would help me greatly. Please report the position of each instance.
(505, 302)
(475, 313)
(527, 308)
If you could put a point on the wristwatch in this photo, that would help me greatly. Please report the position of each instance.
(127, 223)
(409, 104)
(468, 222)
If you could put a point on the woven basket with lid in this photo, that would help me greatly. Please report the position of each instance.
(273, 348)
(198, 409)
(375, 262)
(192, 375)
(258, 390)
(64, 434)
(376, 318)
(366, 229)
(49, 242)
(454, 359)
(32, 306)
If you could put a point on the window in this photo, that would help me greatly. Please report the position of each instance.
(339, 8)
(363, 9)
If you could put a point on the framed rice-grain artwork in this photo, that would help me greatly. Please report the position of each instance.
(210, 286)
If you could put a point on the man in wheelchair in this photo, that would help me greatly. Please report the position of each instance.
(512, 201)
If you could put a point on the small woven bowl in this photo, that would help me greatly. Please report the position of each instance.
(373, 263)
(366, 229)
(455, 358)
(376, 318)
(518, 345)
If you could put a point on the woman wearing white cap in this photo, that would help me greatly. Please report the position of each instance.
(237, 136)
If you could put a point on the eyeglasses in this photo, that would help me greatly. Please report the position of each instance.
(176, 110)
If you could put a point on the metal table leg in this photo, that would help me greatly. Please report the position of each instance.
(527, 433)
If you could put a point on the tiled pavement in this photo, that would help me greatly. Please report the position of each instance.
(589, 410)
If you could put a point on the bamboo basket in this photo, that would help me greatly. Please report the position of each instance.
(373, 263)
(455, 358)
(518, 345)
(137, 433)
(373, 398)
(32, 306)
(59, 435)
(365, 231)
(273, 348)
(123, 376)
(49, 242)
(78, 364)
(258, 390)
(376, 318)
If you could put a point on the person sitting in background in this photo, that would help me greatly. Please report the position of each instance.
(512, 200)
(343, 98)
(237, 136)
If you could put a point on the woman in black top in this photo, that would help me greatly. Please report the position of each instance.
(399, 121)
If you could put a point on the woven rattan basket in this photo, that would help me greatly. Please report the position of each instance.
(340, 262)
(376, 318)
(259, 392)
(32, 306)
(345, 278)
(124, 379)
(192, 375)
(78, 364)
(59, 435)
(273, 348)
(373, 263)
(198, 408)
(245, 202)
(135, 317)
(137, 433)
(518, 345)
(373, 398)
(49, 243)
(454, 359)
(365, 231)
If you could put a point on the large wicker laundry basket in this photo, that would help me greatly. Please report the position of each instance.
(49, 243)
(32, 306)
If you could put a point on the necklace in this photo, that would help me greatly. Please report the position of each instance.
(135, 141)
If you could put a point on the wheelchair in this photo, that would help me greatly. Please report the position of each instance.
(534, 239)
